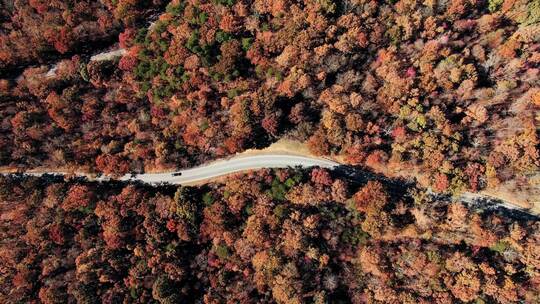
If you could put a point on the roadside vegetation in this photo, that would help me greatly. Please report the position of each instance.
(272, 236)
(446, 92)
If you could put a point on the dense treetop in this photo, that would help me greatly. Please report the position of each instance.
(446, 91)
(37, 31)
(280, 236)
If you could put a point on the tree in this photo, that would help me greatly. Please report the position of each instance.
(164, 290)
(321, 176)
(270, 123)
(78, 197)
(441, 182)
(112, 164)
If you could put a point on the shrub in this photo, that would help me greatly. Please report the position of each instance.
(208, 199)
(222, 252)
(494, 5)
(246, 43)
(176, 10)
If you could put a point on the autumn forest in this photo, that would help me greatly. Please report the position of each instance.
(274, 236)
(431, 109)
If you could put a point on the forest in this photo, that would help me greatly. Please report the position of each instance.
(428, 102)
(269, 236)
(443, 91)
(60, 29)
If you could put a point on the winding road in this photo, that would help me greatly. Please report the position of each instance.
(246, 162)
(232, 165)
(216, 169)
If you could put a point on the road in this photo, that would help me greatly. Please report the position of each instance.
(218, 168)
(242, 163)
(232, 165)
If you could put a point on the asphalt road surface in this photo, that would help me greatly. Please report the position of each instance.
(232, 165)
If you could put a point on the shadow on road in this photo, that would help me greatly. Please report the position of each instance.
(399, 188)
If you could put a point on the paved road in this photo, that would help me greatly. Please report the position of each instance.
(228, 166)
(268, 160)
(218, 168)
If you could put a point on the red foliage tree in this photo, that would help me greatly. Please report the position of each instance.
(78, 196)
(112, 164)
(441, 183)
(321, 176)
(127, 63)
(270, 124)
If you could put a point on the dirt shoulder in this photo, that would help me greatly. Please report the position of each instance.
(525, 197)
